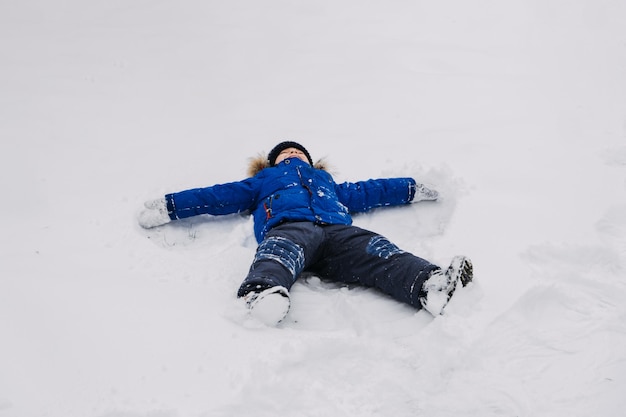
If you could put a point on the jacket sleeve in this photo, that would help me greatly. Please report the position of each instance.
(365, 195)
(216, 200)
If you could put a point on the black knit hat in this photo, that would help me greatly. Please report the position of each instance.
(271, 157)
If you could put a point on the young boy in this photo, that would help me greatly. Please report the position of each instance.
(302, 223)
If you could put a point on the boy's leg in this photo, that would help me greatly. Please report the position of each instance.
(355, 255)
(282, 256)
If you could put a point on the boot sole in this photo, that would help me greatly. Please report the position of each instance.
(271, 306)
(460, 270)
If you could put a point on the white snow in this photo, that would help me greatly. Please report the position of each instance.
(515, 111)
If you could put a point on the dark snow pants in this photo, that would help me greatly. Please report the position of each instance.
(340, 253)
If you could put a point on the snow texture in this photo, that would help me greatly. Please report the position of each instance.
(514, 111)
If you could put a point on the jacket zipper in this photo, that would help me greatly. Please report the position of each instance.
(268, 210)
(306, 187)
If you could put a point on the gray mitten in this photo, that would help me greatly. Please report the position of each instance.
(155, 214)
(422, 193)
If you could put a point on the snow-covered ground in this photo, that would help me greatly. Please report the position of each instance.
(514, 110)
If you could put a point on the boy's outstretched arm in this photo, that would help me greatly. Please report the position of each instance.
(365, 195)
(219, 199)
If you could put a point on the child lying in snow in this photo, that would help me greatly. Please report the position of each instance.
(302, 223)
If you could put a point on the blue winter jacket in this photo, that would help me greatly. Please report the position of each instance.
(292, 190)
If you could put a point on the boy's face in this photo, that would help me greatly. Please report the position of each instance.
(291, 153)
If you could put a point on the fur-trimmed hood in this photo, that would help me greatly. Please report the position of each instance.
(260, 162)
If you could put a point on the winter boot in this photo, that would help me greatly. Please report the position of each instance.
(438, 289)
(269, 306)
